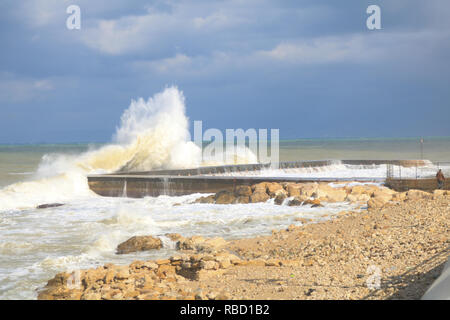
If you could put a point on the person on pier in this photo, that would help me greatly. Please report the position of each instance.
(440, 179)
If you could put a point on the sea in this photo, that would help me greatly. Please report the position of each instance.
(36, 244)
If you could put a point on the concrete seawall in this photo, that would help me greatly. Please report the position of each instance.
(419, 184)
(188, 181)
(138, 186)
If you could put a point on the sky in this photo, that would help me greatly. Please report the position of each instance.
(311, 69)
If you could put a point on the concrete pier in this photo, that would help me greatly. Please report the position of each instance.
(204, 179)
(138, 186)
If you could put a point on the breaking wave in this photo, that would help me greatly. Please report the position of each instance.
(153, 134)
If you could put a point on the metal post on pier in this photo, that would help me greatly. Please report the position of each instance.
(421, 148)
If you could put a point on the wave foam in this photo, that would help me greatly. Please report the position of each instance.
(153, 134)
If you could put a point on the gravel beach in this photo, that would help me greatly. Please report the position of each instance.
(392, 250)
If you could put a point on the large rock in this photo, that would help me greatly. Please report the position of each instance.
(363, 189)
(308, 189)
(139, 243)
(400, 196)
(324, 191)
(376, 203)
(259, 187)
(208, 199)
(243, 191)
(279, 199)
(385, 196)
(358, 197)
(49, 205)
(190, 243)
(299, 201)
(198, 243)
(383, 192)
(296, 201)
(242, 199)
(224, 197)
(439, 194)
(417, 195)
(274, 188)
(293, 189)
(314, 203)
(259, 196)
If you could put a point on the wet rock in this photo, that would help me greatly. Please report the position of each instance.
(308, 189)
(242, 199)
(190, 243)
(259, 196)
(314, 203)
(174, 236)
(279, 199)
(259, 187)
(245, 191)
(208, 199)
(224, 197)
(49, 205)
(139, 243)
(296, 201)
(331, 194)
(274, 188)
(293, 189)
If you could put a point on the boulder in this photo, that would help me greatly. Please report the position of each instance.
(139, 243)
(308, 189)
(400, 196)
(279, 199)
(296, 201)
(190, 243)
(242, 199)
(384, 192)
(208, 199)
(417, 195)
(293, 189)
(259, 187)
(439, 193)
(198, 243)
(324, 191)
(376, 202)
(174, 236)
(259, 196)
(362, 197)
(273, 188)
(243, 191)
(314, 203)
(49, 205)
(224, 197)
(363, 189)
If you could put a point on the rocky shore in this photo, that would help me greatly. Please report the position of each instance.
(393, 248)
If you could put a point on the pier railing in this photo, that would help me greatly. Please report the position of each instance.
(417, 171)
(422, 177)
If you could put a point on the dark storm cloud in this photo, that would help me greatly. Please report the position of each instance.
(309, 68)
